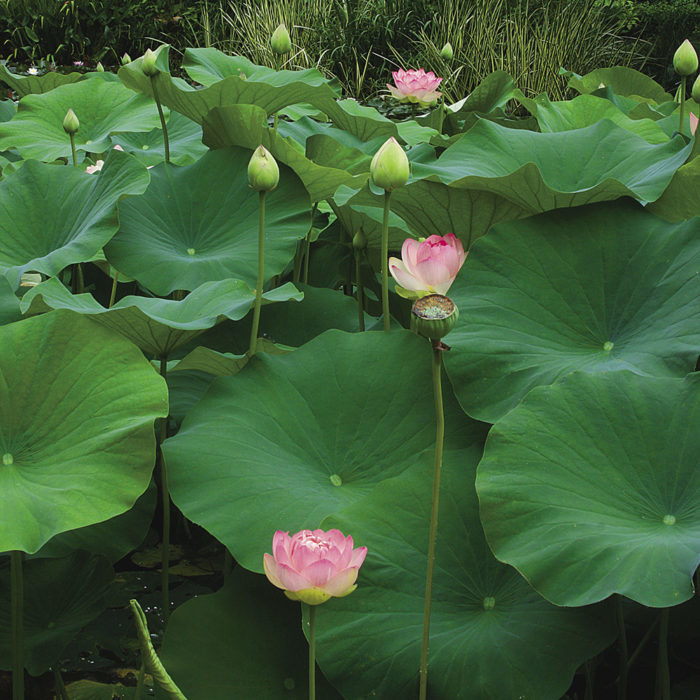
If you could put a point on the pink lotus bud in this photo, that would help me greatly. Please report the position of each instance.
(415, 86)
(313, 566)
(428, 266)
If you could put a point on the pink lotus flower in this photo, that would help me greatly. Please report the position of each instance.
(415, 86)
(693, 123)
(428, 266)
(313, 566)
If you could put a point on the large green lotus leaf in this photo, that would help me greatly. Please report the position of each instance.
(298, 424)
(52, 216)
(680, 199)
(534, 169)
(9, 304)
(246, 125)
(61, 596)
(623, 81)
(590, 487)
(599, 288)
(184, 136)
(484, 614)
(243, 641)
(199, 223)
(77, 406)
(8, 109)
(37, 84)
(102, 108)
(158, 326)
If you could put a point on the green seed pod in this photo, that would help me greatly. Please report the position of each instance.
(70, 122)
(447, 52)
(148, 64)
(695, 93)
(389, 168)
(685, 60)
(126, 59)
(434, 316)
(359, 240)
(280, 41)
(263, 171)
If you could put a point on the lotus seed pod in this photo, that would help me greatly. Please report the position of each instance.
(263, 171)
(99, 67)
(359, 240)
(148, 64)
(280, 41)
(389, 168)
(70, 122)
(685, 60)
(434, 316)
(447, 52)
(695, 93)
(126, 59)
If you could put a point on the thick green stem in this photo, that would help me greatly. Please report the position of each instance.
(360, 292)
(385, 262)
(680, 125)
(312, 652)
(261, 272)
(72, 148)
(139, 681)
(17, 604)
(624, 654)
(663, 676)
(113, 294)
(59, 686)
(163, 125)
(437, 467)
(165, 499)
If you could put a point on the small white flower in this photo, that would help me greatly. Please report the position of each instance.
(95, 168)
(33, 70)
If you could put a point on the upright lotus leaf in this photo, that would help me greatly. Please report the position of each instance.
(600, 288)
(622, 80)
(534, 170)
(680, 199)
(77, 406)
(102, 107)
(312, 432)
(199, 223)
(52, 216)
(484, 615)
(37, 84)
(157, 326)
(590, 487)
(243, 641)
(246, 126)
(61, 596)
(184, 135)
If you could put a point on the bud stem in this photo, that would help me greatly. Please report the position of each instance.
(261, 272)
(166, 142)
(312, 652)
(360, 292)
(437, 467)
(165, 498)
(17, 601)
(385, 262)
(680, 126)
(72, 148)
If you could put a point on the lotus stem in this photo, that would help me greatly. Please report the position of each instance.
(622, 640)
(437, 468)
(261, 273)
(59, 686)
(312, 652)
(663, 676)
(165, 498)
(113, 293)
(72, 148)
(360, 291)
(680, 125)
(166, 142)
(17, 604)
(385, 262)
(139, 681)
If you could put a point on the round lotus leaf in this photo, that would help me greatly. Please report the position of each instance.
(484, 614)
(590, 487)
(598, 288)
(77, 406)
(199, 223)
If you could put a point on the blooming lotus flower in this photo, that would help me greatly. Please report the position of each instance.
(415, 86)
(33, 70)
(428, 266)
(313, 566)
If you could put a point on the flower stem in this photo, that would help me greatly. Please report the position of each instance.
(312, 652)
(624, 655)
(385, 262)
(680, 125)
(663, 676)
(72, 148)
(437, 467)
(113, 293)
(261, 272)
(17, 603)
(165, 498)
(166, 142)
(360, 293)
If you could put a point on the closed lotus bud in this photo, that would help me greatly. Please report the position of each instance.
(359, 240)
(389, 168)
(99, 67)
(263, 171)
(70, 122)
(126, 59)
(280, 41)
(685, 60)
(447, 52)
(695, 93)
(434, 316)
(148, 64)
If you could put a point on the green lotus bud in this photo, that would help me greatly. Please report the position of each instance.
(695, 92)
(434, 316)
(359, 240)
(126, 59)
(685, 60)
(389, 168)
(148, 64)
(70, 122)
(447, 53)
(263, 171)
(99, 68)
(280, 41)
